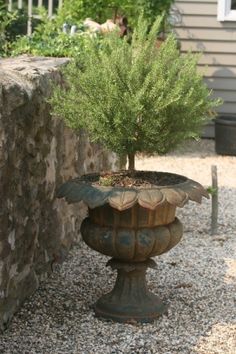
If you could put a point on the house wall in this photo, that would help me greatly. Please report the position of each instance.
(199, 30)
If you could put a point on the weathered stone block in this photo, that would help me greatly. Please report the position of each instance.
(37, 153)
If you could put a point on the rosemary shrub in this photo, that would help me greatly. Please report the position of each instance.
(135, 97)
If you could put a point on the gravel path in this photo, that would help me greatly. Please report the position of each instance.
(197, 279)
(194, 160)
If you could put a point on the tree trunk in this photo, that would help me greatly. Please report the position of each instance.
(131, 159)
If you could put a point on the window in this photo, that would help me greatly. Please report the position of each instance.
(233, 5)
(226, 10)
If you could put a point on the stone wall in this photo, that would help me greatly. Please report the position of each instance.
(37, 153)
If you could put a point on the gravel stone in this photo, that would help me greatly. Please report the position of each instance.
(197, 279)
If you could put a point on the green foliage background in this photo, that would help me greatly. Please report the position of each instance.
(12, 26)
(135, 97)
(48, 39)
(77, 10)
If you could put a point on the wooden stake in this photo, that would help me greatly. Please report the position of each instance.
(214, 200)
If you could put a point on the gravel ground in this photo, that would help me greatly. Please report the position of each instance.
(194, 160)
(197, 279)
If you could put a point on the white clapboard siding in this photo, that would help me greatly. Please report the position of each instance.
(227, 60)
(198, 1)
(227, 96)
(227, 108)
(206, 34)
(198, 30)
(208, 46)
(203, 8)
(219, 83)
(200, 21)
(218, 71)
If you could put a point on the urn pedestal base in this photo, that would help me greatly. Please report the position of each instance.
(131, 248)
(130, 300)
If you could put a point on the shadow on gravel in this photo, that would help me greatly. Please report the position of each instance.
(196, 279)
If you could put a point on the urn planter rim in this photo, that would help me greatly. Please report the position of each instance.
(122, 198)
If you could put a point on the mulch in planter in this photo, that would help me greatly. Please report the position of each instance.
(140, 179)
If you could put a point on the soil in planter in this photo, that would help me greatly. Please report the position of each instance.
(139, 179)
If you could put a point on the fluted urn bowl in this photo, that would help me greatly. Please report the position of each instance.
(132, 235)
(132, 224)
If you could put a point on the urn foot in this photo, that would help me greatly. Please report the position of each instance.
(130, 300)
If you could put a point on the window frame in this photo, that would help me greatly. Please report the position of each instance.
(224, 12)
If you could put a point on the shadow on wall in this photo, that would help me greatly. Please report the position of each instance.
(223, 82)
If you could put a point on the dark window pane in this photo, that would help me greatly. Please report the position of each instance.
(233, 4)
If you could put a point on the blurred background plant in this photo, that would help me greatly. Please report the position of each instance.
(12, 25)
(100, 10)
(49, 39)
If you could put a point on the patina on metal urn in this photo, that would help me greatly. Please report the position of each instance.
(132, 224)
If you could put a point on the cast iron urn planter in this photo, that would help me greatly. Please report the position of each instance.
(132, 224)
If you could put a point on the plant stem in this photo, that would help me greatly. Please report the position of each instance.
(131, 159)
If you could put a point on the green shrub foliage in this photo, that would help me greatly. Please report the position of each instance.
(49, 40)
(76, 10)
(135, 97)
(11, 24)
